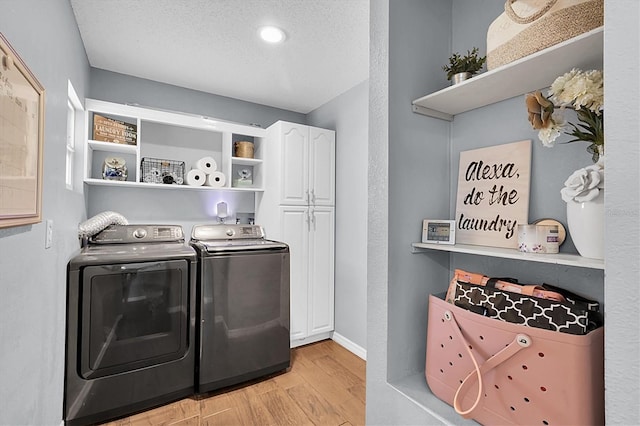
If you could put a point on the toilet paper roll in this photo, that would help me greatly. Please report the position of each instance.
(207, 165)
(216, 180)
(151, 178)
(196, 177)
(153, 175)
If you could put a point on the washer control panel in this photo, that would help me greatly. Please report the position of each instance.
(226, 232)
(122, 234)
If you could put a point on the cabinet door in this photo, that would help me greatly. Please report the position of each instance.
(295, 156)
(294, 223)
(321, 267)
(322, 166)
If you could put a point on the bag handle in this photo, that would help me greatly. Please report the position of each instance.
(508, 8)
(519, 342)
(509, 284)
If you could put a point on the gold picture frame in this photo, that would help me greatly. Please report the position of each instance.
(21, 140)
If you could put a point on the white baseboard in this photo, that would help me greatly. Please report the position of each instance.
(349, 345)
(310, 339)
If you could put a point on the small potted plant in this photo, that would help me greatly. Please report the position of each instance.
(461, 68)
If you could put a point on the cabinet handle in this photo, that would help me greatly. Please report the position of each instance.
(313, 196)
(308, 197)
(313, 218)
(308, 220)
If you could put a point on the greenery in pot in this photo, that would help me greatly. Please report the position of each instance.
(470, 63)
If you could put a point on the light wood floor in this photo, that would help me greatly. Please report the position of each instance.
(324, 386)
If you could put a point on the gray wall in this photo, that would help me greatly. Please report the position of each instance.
(348, 115)
(622, 211)
(32, 279)
(408, 181)
(185, 208)
(399, 281)
(120, 88)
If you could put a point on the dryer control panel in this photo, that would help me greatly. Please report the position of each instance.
(123, 234)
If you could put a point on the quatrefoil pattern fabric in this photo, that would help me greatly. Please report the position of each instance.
(522, 309)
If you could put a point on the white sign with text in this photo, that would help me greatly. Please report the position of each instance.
(493, 194)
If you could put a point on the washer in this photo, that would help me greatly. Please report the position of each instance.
(130, 339)
(243, 305)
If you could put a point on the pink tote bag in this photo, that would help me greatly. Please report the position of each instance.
(500, 373)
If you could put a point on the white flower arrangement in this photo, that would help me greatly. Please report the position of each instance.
(580, 90)
(584, 184)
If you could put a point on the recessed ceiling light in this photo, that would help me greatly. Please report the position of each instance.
(272, 34)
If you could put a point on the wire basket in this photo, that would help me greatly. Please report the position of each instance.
(156, 170)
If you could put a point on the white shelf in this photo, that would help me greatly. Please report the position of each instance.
(556, 259)
(129, 184)
(170, 135)
(527, 74)
(112, 147)
(416, 389)
(245, 161)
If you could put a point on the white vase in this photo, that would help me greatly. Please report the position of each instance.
(586, 226)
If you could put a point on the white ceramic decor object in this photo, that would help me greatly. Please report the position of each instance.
(586, 226)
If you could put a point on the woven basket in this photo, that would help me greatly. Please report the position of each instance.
(244, 149)
(539, 28)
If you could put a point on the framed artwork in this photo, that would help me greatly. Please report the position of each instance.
(493, 194)
(21, 140)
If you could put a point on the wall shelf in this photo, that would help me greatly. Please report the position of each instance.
(505, 253)
(174, 136)
(245, 161)
(129, 184)
(533, 72)
(112, 147)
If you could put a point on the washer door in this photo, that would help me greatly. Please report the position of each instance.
(132, 316)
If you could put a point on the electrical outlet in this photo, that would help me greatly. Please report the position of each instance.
(49, 234)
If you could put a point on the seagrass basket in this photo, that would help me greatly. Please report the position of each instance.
(244, 149)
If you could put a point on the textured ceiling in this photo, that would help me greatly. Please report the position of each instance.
(212, 46)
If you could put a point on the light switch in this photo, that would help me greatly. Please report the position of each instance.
(49, 234)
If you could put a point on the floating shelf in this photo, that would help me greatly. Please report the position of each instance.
(505, 253)
(170, 135)
(245, 161)
(128, 184)
(112, 147)
(533, 72)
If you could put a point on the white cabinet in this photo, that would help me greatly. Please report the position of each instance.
(173, 137)
(297, 207)
(308, 164)
(321, 269)
(309, 232)
(294, 225)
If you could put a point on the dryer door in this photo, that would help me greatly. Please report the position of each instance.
(133, 315)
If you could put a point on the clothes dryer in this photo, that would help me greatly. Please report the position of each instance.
(130, 337)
